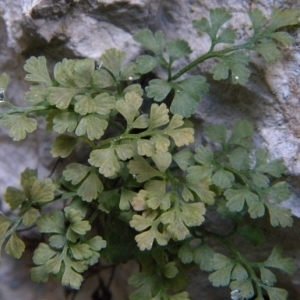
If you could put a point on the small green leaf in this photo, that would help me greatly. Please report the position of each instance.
(14, 197)
(162, 160)
(83, 72)
(113, 60)
(90, 188)
(37, 69)
(258, 20)
(57, 241)
(227, 36)
(242, 134)
(145, 147)
(71, 278)
(40, 191)
(65, 121)
(19, 125)
(283, 38)
(76, 172)
(54, 223)
(153, 42)
(204, 155)
(239, 273)
(106, 160)
(236, 198)
(269, 51)
(245, 286)
(125, 150)
(276, 293)
(217, 133)
(30, 217)
(267, 277)
(63, 72)
(42, 254)
(91, 125)
(158, 89)
(275, 168)
(170, 270)
(4, 225)
(223, 179)
(221, 277)
(204, 257)
(140, 168)
(63, 146)
(178, 48)
(260, 180)
(239, 159)
(184, 159)
(145, 64)
(282, 18)
(185, 253)
(97, 243)
(15, 246)
(61, 97)
(129, 107)
(36, 95)
(275, 260)
(280, 216)
(126, 198)
(84, 105)
(104, 103)
(159, 115)
(102, 79)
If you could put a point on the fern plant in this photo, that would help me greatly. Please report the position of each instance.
(143, 192)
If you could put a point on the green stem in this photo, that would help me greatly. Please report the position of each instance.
(27, 110)
(211, 54)
(248, 266)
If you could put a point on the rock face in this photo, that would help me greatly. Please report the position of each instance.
(86, 28)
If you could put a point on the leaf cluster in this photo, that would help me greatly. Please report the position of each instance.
(142, 192)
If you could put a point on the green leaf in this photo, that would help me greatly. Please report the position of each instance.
(258, 20)
(279, 192)
(276, 293)
(76, 172)
(217, 133)
(280, 216)
(15, 246)
(203, 256)
(63, 146)
(145, 64)
(43, 254)
(81, 251)
(236, 63)
(260, 180)
(202, 190)
(63, 72)
(178, 48)
(236, 198)
(283, 38)
(65, 121)
(140, 168)
(145, 147)
(275, 168)
(239, 273)
(158, 89)
(217, 18)
(223, 179)
(188, 94)
(185, 253)
(245, 286)
(282, 18)
(113, 60)
(104, 103)
(83, 72)
(39, 274)
(36, 95)
(227, 36)
(19, 125)
(242, 134)
(275, 260)
(90, 188)
(61, 97)
(184, 159)
(162, 160)
(170, 270)
(125, 150)
(204, 155)
(57, 241)
(97, 243)
(54, 223)
(159, 115)
(71, 278)
(126, 198)
(4, 225)
(153, 42)
(267, 277)
(30, 217)
(106, 160)
(221, 277)
(102, 79)
(239, 159)
(37, 69)
(268, 50)
(14, 197)
(129, 107)
(84, 105)
(91, 125)
(141, 122)
(40, 191)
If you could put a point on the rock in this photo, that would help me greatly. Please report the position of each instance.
(86, 28)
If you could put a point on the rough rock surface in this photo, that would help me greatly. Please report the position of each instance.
(86, 28)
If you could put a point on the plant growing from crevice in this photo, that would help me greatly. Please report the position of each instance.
(143, 193)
